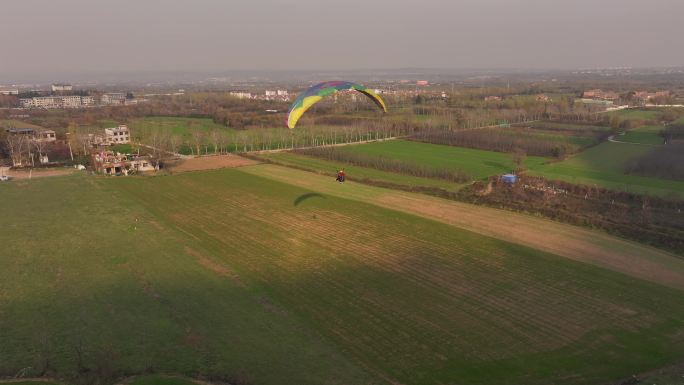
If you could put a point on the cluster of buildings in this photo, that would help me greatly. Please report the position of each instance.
(75, 101)
(497, 98)
(48, 102)
(644, 96)
(598, 94)
(267, 95)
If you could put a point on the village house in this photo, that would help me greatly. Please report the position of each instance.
(109, 137)
(117, 135)
(34, 135)
(114, 163)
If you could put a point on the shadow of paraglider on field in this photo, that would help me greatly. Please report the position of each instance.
(306, 196)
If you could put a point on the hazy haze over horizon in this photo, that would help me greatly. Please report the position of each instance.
(47, 37)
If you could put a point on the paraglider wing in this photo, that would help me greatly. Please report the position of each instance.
(317, 92)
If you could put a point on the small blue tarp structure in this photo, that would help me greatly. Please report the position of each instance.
(509, 178)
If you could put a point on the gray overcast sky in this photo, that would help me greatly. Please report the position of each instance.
(39, 36)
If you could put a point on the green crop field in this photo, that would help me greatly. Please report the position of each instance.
(234, 275)
(355, 172)
(478, 163)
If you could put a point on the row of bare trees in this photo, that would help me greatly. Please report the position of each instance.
(500, 140)
(23, 150)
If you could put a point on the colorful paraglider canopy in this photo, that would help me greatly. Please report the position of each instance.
(316, 92)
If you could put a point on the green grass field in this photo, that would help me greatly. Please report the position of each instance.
(13, 123)
(160, 380)
(478, 163)
(176, 126)
(637, 114)
(643, 135)
(604, 165)
(565, 126)
(355, 172)
(222, 273)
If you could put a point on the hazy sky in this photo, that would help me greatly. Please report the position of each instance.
(53, 36)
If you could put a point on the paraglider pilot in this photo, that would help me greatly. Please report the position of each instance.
(340, 176)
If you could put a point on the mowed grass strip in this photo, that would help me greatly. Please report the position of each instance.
(416, 301)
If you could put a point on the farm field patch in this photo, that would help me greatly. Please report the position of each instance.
(234, 273)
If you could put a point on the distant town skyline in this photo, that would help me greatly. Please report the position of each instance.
(45, 38)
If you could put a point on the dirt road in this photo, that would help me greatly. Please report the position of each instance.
(38, 173)
(211, 162)
(569, 241)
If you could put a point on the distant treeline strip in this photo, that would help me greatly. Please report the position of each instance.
(386, 164)
(496, 140)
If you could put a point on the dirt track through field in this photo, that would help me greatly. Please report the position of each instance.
(211, 162)
(569, 241)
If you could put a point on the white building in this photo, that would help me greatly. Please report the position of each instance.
(87, 100)
(113, 98)
(271, 93)
(117, 135)
(12, 91)
(282, 93)
(241, 94)
(71, 101)
(41, 102)
(62, 87)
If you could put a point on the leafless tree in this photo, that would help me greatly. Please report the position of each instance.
(18, 148)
